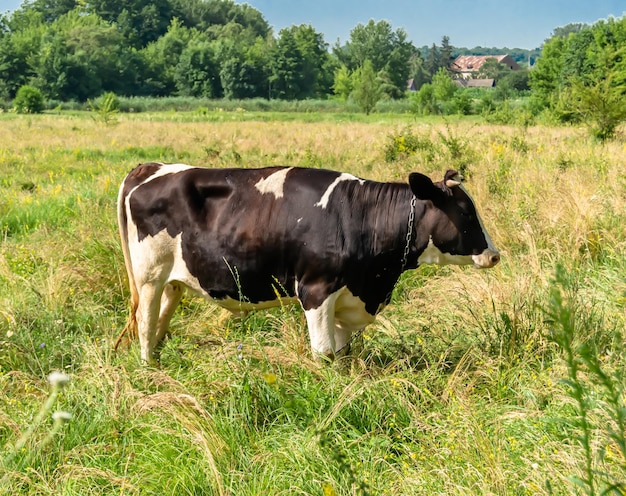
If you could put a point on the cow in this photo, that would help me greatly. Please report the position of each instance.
(256, 238)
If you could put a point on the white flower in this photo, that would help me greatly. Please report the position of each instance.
(58, 379)
(61, 416)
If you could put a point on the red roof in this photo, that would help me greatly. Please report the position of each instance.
(472, 63)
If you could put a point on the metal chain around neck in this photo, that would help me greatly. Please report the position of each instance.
(409, 234)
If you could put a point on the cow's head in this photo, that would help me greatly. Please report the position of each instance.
(457, 235)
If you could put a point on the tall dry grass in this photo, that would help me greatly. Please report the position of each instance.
(456, 389)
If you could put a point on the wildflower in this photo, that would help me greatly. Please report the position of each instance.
(58, 379)
(9, 334)
(61, 416)
(42, 346)
(270, 378)
(329, 490)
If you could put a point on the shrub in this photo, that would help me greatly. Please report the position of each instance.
(29, 100)
(106, 107)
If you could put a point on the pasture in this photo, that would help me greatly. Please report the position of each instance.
(501, 382)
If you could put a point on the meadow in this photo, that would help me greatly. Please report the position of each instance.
(508, 381)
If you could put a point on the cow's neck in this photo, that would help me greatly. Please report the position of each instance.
(391, 216)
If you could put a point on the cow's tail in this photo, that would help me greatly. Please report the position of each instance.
(130, 329)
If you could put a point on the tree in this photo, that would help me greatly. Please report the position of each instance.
(600, 101)
(19, 46)
(243, 72)
(517, 80)
(287, 67)
(161, 57)
(417, 70)
(583, 76)
(367, 90)
(492, 69)
(51, 10)
(298, 62)
(445, 53)
(387, 50)
(545, 78)
(444, 87)
(423, 101)
(343, 84)
(197, 72)
(206, 15)
(313, 50)
(140, 22)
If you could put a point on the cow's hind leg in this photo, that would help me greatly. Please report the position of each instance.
(147, 318)
(170, 298)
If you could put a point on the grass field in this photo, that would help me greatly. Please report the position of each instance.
(501, 382)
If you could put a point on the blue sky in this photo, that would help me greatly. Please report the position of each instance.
(499, 23)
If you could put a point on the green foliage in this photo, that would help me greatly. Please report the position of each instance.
(601, 105)
(407, 143)
(387, 50)
(442, 96)
(423, 102)
(443, 86)
(107, 106)
(343, 84)
(572, 330)
(297, 62)
(197, 72)
(581, 77)
(367, 88)
(29, 100)
(447, 148)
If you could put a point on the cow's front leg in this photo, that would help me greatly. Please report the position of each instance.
(342, 341)
(321, 324)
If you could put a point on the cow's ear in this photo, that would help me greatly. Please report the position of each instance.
(452, 179)
(423, 188)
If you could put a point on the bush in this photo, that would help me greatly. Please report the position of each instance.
(29, 100)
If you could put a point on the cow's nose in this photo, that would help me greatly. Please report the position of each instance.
(487, 259)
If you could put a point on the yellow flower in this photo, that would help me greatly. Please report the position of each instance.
(269, 378)
(328, 490)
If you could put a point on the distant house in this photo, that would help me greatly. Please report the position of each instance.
(465, 66)
(410, 85)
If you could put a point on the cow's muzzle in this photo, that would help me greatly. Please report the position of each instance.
(487, 259)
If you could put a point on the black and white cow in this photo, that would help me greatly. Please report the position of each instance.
(251, 238)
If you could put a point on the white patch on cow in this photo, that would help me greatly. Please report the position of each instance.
(274, 183)
(332, 323)
(326, 196)
(159, 260)
(433, 255)
(350, 311)
(168, 169)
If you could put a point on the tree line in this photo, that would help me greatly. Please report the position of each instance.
(72, 50)
(76, 50)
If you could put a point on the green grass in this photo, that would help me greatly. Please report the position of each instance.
(470, 382)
